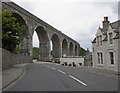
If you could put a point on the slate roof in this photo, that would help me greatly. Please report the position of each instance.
(105, 39)
(94, 41)
(116, 37)
(115, 25)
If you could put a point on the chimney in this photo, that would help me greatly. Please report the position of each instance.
(88, 50)
(105, 18)
(105, 23)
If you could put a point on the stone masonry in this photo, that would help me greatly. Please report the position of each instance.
(62, 44)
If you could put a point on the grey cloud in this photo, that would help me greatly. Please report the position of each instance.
(26, 5)
(113, 5)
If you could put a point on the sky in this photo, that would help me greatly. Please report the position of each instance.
(76, 18)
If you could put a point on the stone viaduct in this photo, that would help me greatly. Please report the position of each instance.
(63, 46)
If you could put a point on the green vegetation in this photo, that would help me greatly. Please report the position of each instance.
(82, 52)
(12, 32)
(36, 52)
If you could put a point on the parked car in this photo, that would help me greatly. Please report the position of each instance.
(80, 64)
(74, 64)
(65, 63)
(62, 64)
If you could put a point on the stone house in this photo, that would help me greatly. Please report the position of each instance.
(88, 58)
(105, 46)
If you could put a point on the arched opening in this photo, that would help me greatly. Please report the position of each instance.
(44, 44)
(64, 48)
(71, 49)
(35, 49)
(75, 50)
(56, 46)
(24, 45)
(51, 50)
(22, 22)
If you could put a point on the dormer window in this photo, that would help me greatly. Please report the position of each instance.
(101, 40)
(111, 38)
(97, 40)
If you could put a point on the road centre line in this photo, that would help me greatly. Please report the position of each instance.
(53, 68)
(61, 71)
(70, 76)
(57, 64)
(78, 80)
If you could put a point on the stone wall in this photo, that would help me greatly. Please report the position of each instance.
(9, 59)
(0, 60)
(79, 61)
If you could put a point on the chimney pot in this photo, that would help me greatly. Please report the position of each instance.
(106, 18)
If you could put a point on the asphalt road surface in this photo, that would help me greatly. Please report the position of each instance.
(53, 77)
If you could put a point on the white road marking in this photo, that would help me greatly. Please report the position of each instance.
(78, 80)
(53, 68)
(57, 64)
(61, 71)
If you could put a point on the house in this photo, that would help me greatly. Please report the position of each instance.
(88, 58)
(105, 46)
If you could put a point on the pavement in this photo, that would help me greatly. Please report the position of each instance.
(107, 73)
(12, 74)
(0, 80)
(55, 77)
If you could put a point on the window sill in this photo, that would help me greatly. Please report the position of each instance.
(111, 45)
(100, 65)
(112, 66)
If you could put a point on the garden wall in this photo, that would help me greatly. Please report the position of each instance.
(9, 59)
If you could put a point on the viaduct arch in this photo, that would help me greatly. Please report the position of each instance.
(63, 46)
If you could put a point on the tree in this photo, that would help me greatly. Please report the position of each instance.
(82, 52)
(11, 31)
(36, 52)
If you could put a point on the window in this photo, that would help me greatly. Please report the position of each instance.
(101, 40)
(90, 57)
(97, 40)
(101, 55)
(112, 58)
(110, 38)
(98, 58)
(93, 49)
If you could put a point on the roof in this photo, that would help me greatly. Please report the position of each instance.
(117, 36)
(115, 25)
(105, 39)
(94, 41)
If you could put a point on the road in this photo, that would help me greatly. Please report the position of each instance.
(54, 77)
